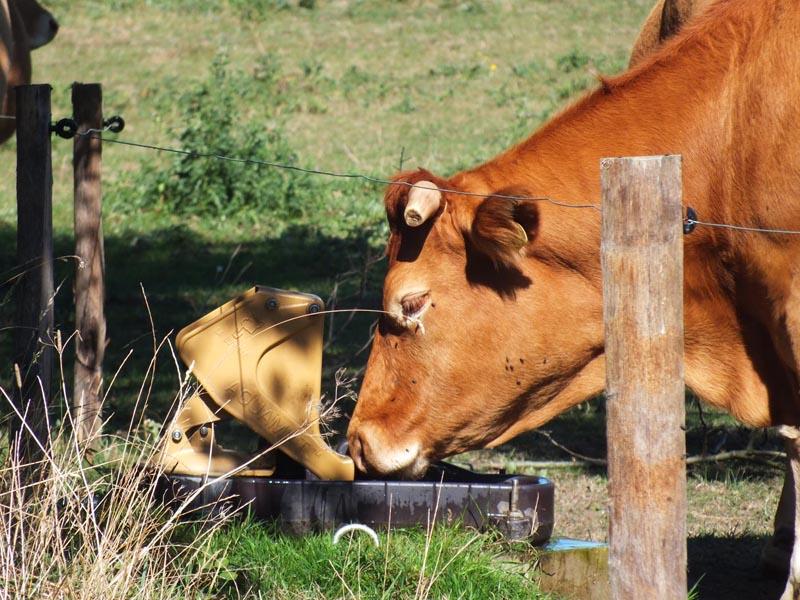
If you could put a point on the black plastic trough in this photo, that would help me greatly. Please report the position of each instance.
(520, 507)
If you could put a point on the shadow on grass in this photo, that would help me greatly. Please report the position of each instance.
(583, 431)
(184, 276)
(728, 568)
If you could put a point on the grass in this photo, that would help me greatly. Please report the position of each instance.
(85, 522)
(731, 504)
(352, 86)
(452, 563)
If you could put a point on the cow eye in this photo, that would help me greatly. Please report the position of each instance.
(413, 304)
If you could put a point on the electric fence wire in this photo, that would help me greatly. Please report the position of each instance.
(96, 133)
(743, 228)
(325, 173)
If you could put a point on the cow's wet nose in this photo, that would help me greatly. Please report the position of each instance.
(374, 454)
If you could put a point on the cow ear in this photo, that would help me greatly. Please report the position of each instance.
(674, 16)
(666, 20)
(503, 227)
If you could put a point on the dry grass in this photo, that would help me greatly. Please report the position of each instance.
(84, 521)
(722, 508)
(94, 529)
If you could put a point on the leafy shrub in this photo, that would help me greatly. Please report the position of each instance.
(213, 124)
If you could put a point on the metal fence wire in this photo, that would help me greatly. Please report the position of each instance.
(690, 221)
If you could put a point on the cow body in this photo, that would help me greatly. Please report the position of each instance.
(24, 26)
(496, 304)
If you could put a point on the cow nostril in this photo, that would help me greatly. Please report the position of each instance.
(356, 451)
(54, 26)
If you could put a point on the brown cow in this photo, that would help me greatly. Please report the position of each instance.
(496, 305)
(665, 20)
(24, 26)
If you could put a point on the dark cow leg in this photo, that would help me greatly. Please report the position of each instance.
(777, 552)
(792, 437)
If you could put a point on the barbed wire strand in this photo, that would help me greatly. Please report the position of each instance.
(372, 179)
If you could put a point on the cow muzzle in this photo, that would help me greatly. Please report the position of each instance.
(374, 456)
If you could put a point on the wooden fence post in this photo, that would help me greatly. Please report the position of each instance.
(642, 261)
(90, 323)
(33, 332)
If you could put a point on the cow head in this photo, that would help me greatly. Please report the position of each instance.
(40, 26)
(472, 346)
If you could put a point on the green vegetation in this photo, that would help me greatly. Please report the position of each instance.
(450, 563)
(211, 124)
(92, 526)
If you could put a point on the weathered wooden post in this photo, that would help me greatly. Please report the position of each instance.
(642, 261)
(33, 332)
(90, 323)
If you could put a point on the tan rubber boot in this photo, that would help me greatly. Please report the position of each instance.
(259, 358)
(190, 447)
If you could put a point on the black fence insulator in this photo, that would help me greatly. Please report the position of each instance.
(114, 124)
(65, 128)
(690, 222)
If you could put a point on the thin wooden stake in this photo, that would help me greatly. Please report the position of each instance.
(33, 332)
(642, 260)
(90, 322)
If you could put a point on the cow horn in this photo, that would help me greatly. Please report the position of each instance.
(424, 200)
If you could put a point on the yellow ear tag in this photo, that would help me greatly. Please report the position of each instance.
(521, 237)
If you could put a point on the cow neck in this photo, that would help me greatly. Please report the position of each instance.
(674, 103)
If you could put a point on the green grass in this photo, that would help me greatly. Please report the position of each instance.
(456, 563)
